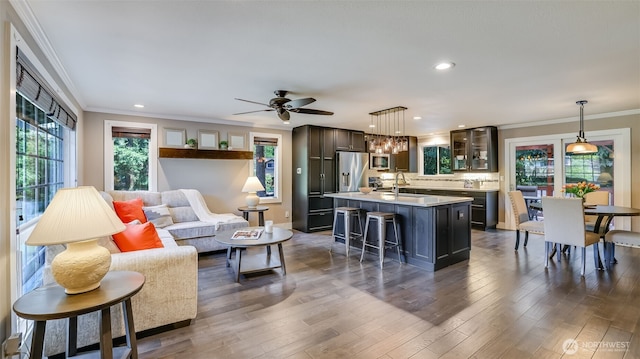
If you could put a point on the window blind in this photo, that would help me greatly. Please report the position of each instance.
(32, 85)
(130, 132)
(265, 141)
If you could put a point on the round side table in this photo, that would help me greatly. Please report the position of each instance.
(51, 302)
(260, 209)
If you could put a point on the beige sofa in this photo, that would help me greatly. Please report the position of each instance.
(169, 294)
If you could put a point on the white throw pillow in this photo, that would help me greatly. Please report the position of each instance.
(158, 215)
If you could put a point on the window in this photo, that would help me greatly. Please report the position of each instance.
(39, 174)
(436, 160)
(130, 158)
(266, 165)
(130, 162)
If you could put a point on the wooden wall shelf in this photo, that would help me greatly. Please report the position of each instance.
(164, 152)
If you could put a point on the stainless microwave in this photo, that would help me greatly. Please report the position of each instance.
(378, 161)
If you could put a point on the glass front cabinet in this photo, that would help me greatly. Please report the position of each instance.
(475, 149)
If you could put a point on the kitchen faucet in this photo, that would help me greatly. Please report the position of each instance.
(396, 189)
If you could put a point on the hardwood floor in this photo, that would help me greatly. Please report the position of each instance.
(499, 304)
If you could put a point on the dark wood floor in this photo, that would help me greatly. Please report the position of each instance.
(499, 304)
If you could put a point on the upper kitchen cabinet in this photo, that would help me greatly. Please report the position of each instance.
(349, 140)
(406, 161)
(475, 149)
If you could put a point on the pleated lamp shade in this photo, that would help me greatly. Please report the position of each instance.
(78, 217)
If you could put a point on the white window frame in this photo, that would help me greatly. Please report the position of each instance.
(277, 171)
(70, 170)
(108, 152)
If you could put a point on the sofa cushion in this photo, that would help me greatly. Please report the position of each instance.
(192, 229)
(137, 237)
(183, 214)
(130, 210)
(148, 198)
(158, 215)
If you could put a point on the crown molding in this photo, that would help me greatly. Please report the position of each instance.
(30, 21)
(188, 118)
(572, 119)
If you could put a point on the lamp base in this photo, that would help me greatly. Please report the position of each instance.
(252, 200)
(81, 267)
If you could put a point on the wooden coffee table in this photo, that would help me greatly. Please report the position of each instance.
(257, 262)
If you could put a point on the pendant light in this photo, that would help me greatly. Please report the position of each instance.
(581, 146)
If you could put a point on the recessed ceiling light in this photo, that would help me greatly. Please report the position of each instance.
(462, 126)
(444, 65)
(286, 122)
(372, 126)
(138, 105)
(417, 117)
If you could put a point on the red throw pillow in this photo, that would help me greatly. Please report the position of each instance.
(129, 211)
(137, 237)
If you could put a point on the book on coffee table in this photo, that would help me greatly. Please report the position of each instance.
(247, 234)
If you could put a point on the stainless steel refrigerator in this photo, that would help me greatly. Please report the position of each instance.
(351, 169)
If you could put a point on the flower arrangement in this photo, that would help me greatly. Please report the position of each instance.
(580, 189)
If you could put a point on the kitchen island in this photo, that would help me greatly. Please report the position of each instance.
(435, 230)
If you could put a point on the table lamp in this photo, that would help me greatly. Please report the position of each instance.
(77, 217)
(252, 185)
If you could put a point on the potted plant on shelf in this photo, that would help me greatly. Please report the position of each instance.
(191, 143)
(224, 145)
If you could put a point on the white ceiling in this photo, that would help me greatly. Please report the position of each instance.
(516, 61)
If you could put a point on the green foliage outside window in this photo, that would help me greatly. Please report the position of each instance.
(264, 166)
(130, 163)
(437, 160)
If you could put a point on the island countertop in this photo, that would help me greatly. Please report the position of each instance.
(415, 200)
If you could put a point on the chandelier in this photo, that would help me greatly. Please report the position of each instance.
(388, 136)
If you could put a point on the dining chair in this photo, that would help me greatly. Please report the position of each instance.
(595, 198)
(564, 225)
(521, 214)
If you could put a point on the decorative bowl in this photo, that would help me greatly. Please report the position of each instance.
(365, 190)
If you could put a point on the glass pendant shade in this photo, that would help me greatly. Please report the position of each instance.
(581, 146)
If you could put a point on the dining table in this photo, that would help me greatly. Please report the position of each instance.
(605, 215)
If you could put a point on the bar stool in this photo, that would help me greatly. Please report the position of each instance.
(348, 214)
(382, 218)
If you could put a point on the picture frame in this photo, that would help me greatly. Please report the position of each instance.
(175, 137)
(208, 139)
(237, 141)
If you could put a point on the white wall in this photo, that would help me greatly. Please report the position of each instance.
(219, 181)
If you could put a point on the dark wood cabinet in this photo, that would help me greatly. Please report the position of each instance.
(475, 149)
(484, 208)
(406, 161)
(313, 175)
(349, 140)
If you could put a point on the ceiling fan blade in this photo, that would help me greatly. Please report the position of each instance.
(243, 113)
(257, 103)
(283, 114)
(309, 111)
(299, 103)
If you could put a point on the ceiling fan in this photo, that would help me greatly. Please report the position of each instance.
(283, 106)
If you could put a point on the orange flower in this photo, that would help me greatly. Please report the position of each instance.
(580, 189)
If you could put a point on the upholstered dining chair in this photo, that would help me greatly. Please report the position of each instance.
(564, 224)
(595, 198)
(521, 215)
